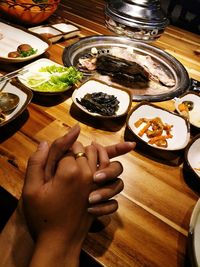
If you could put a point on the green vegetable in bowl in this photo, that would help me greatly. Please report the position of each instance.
(54, 78)
(28, 53)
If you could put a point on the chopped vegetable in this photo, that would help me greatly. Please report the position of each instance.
(28, 53)
(23, 50)
(100, 103)
(54, 78)
(157, 131)
(189, 104)
(183, 109)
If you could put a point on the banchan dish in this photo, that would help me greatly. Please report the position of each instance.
(47, 32)
(158, 128)
(192, 156)
(68, 30)
(121, 98)
(194, 236)
(54, 32)
(47, 77)
(25, 97)
(13, 36)
(188, 105)
(108, 45)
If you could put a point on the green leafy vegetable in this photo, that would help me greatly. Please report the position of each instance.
(28, 53)
(54, 78)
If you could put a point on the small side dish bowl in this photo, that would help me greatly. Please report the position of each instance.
(25, 97)
(192, 156)
(68, 30)
(48, 32)
(188, 105)
(158, 128)
(119, 99)
(194, 236)
(47, 77)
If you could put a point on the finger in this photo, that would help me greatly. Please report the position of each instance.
(103, 158)
(120, 149)
(91, 153)
(106, 192)
(58, 149)
(109, 173)
(67, 168)
(35, 168)
(105, 208)
(77, 148)
(82, 161)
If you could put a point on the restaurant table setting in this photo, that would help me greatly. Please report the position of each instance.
(118, 87)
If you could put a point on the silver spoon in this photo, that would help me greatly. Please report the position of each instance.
(8, 101)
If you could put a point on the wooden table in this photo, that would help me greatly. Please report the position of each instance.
(151, 226)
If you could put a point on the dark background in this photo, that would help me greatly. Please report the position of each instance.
(183, 13)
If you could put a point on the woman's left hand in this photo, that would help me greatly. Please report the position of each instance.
(108, 183)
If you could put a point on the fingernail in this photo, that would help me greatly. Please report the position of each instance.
(99, 176)
(94, 198)
(76, 125)
(131, 144)
(42, 145)
(90, 209)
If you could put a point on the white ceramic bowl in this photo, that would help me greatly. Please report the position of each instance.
(180, 130)
(68, 30)
(92, 86)
(32, 70)
(192, 156)
(194, 235)
(48, 32)
(194, 113)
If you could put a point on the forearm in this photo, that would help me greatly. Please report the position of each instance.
(53, 252)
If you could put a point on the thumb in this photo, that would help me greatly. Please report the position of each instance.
(35, 167)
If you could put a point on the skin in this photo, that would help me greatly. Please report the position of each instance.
(101, 195)
(90, 182)
(56, 209)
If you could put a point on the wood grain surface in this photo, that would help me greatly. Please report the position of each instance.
(151, 226)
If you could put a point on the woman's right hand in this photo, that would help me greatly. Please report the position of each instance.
(56, 209)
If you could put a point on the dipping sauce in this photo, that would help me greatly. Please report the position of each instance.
(47, 35)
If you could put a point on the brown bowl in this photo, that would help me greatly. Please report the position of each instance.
(27, 11)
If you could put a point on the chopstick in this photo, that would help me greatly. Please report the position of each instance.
(12, 74)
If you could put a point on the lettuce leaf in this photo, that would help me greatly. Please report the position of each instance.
(60, 78)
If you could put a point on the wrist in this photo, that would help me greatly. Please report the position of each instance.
(53, 251)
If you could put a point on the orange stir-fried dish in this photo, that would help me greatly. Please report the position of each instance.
(184, 110)
(157, 131)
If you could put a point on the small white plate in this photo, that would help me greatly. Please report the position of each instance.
(192, 155)
(25, 97)
(68, 30)
(194, 114)
(13, 37)
(94, 86)
(194, 232)
(180, 130)
(48, 32)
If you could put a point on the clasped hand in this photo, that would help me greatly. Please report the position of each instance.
(62, 193)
